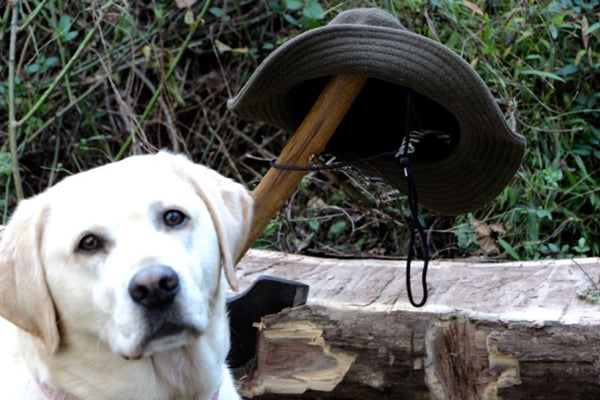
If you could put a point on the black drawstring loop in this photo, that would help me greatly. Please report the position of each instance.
(416, 226)
(413, 203)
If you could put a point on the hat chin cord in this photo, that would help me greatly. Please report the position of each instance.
(416, 227)
(413, 204)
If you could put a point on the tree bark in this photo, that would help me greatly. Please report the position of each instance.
(488, 331)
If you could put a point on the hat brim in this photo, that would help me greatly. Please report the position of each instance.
(487, 153)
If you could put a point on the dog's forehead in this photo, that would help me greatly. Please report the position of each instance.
(119, 188)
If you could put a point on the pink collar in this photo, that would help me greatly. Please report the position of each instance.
(59, 394)
(54, 394)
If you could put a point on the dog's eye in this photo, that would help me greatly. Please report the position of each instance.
(90, 243)
(174, 218)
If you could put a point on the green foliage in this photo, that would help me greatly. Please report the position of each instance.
(70, 57)
(95, 81)
(550, 68)
(542, 63)
(305, 14)
(63, 29)
(590, 294)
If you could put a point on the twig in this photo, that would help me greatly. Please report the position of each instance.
(61, 74)
(170, 71)
(169, 124)
(587, 275)
(13, 124)
(33, 15)
(97, 81)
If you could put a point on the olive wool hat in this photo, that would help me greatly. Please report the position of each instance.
(462, 152)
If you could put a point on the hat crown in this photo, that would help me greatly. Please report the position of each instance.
(369, 17)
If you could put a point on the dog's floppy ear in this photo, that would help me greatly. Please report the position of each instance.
(230, 207)
(24, 295)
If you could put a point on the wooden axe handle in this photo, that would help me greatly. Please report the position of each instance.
(309, 139)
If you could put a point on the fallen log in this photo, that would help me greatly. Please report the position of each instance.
(488, 331)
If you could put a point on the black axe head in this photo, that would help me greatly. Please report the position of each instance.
(267, 295)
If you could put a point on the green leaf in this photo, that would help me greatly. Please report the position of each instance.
(50, 62)
(291, 19)
(592, 28)
(580, 163)
(337, 227)
(509, 249)
(542, 74)
(173, 87)
(64, 23)
(219, 13)
(544, 214)
(32, 68)
(567, 70)
(222, 47)
(64, 28)
(67, 37)
(314, 11)
(292, 5)
(591, 295)
(582, 246)
(5, 164)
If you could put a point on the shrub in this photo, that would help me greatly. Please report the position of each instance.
(92, 82)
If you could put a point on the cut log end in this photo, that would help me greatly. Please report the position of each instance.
(293, 357)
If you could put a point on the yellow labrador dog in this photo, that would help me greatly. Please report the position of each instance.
(115, 279)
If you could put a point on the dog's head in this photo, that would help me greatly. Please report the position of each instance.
(132, 253)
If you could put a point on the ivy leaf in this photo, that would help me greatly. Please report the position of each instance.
(313, 11)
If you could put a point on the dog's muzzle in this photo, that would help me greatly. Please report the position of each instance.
(163, 318)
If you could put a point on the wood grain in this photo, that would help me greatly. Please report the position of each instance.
(488, 331)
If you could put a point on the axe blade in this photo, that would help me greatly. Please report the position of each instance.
(267, 295)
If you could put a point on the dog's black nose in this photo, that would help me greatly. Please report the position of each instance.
(154, 287)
